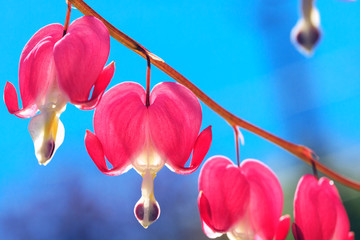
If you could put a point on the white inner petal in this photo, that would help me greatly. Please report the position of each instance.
(54, 99)
(46, 129)
(315, 17)
(147, 164)
(47, 133)
(242, 230)
(147, 209)
(148, 161)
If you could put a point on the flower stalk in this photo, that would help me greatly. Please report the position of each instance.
(236, 131)
(148, 75)
(302, 152)
(67, 19)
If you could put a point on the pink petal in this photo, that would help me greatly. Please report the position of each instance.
(95, 150)
(100, 85)
(174, 120)
(119, 123)
(205, 214)
(11, 102)
(200, 150)
(266, 198)
(317, 207)
(342, 228)
(326, 211)
(305, 208)
(36, 68)
(283, 228)
(52, 31)
(80, 57)
(227, 192)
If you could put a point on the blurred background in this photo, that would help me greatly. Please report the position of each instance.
(240, 54)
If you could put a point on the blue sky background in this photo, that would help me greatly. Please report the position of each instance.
(239, 53)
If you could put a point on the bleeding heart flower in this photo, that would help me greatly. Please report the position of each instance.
(306, 33)
(56, 69)
(318, 211)
(245, 202)
(130, 134)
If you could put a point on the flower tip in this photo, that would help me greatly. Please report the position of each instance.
(112, 64)
(283, 227)
(8, 84)
(209, 128)
(47, 152)
(43, 161)
(10, 98)
(47, 133)
(146, 212)
(305, 37)
(87, 133)
(207, 133)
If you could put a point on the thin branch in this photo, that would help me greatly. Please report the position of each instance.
(302, 152)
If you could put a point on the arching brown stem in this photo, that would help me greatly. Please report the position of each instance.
(302, 152)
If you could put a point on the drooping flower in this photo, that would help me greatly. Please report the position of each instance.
(244, 202)
(318, 211)
(130, 134)
(56, 69)
(306, 33)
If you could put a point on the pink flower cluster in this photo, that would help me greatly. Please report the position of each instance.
(244, 202)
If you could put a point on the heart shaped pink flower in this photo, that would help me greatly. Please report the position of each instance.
(318, 211)
(244, 202)
(130, 134)
(55, 69)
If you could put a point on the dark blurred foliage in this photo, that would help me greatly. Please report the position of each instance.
(353, 209)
